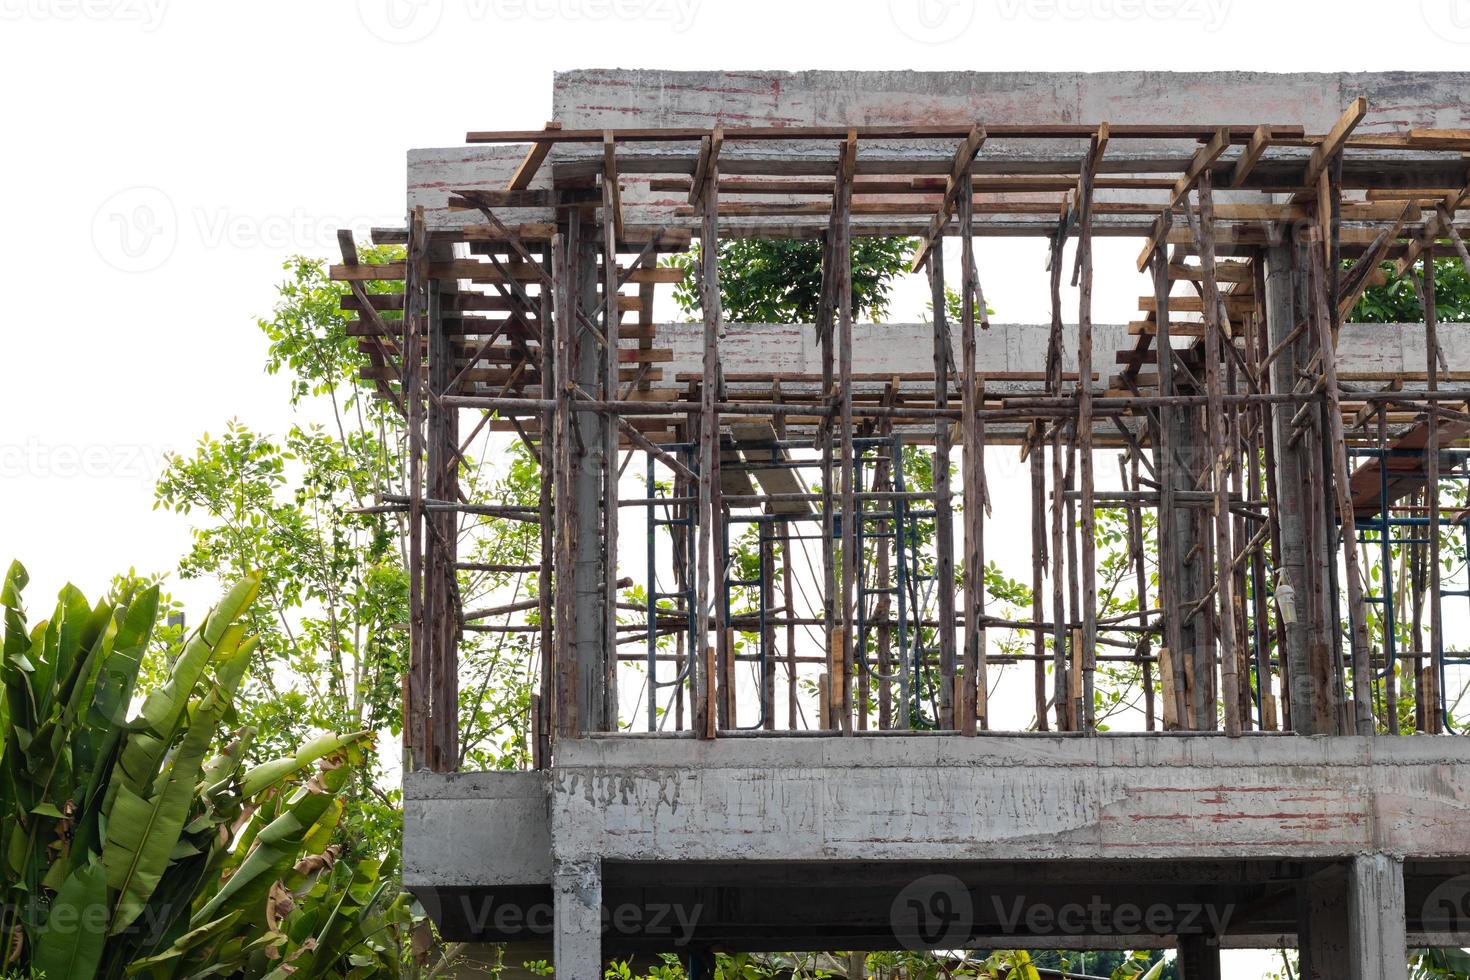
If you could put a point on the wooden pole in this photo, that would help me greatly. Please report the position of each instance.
(1357, 607)
(1215, 423)
(943, 510)
(710, 573)
(1172, 680)
(1088, 530)
(1037, 459)
(1433, 695)
(611, 367)
(1061, 686)
(971, 705)
(850, 515)
(545, 590)
(420, 693)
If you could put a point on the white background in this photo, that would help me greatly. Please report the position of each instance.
(225, 137)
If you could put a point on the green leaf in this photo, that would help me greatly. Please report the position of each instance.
(72, 941)
(259, 778)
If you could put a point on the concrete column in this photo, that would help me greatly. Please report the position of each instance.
(588, 452)
(577, 923)
(1377, 931)
(1322, 926)
(1291, 484)
(1199, 958)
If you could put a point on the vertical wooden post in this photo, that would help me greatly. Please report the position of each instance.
(1171, 679)
(442, 609)
(1037, 459)
(1061, 686)
(1357, 607)
(943, 511)
(545, 590)
(710, 573)
(1432, 693)
(842, 258)
(1088, 555)
(1215, 423)
(972, 707)
(1129, 477)
(415, 312)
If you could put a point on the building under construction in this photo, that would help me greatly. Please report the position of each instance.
(779, 693)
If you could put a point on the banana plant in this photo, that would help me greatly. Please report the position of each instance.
(136, 840)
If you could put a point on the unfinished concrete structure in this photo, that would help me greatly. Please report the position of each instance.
(1270, 796)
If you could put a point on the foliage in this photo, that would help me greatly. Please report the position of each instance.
(333, 647)
(780, 281)
(140, 842)
(1397, 300)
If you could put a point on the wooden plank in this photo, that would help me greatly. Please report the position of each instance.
(1260, 140)
(483, 272)
(964, 155)
(1334, 140)
(614, 190)
(537, 152)
(753, 439)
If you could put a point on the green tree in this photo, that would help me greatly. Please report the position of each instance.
(780, 281)
(1397, 300)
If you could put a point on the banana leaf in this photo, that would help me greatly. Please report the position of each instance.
(72, 941)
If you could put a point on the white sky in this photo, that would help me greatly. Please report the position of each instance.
(252, 131)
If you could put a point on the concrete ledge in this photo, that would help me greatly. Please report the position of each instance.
(993, 798)
(942, 798)
(463, 829)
